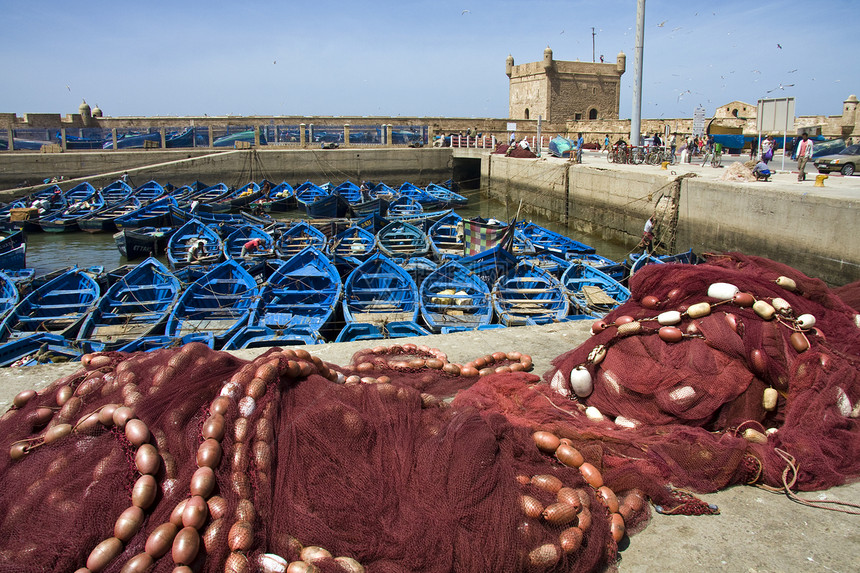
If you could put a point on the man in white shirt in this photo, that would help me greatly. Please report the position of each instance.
(804, 153)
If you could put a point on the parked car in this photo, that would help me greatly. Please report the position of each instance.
(845, 161)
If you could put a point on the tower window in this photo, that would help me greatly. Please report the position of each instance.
(577, 116)
(527, 113)
(592, 114)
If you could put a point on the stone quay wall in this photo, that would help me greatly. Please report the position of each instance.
(817, 234)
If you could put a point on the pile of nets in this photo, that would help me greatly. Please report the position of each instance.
(738, 171)
(194, 460)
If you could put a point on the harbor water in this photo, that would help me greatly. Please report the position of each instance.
(51, 251)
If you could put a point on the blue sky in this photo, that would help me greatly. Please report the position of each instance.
(426, 57)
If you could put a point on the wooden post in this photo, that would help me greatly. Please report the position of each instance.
(113, 137)
(346, 135)
(211, 136)
(302, 134)
(389, 129)
(163, 139)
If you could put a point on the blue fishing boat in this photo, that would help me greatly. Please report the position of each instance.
(14, 258)
(304, 291)
(42, 348)
(180, 216)
(308, 192)
(134, 306)
(159, 341)
(56, 306)
(349, 191)
(155, 214)
(529, 295)
(454, 296)
(414, 192)
(194, 243)
(405, 207)
(220, 302)
(445, 197)
(235, 242)
(384, 191)
(639, 260)
(365, 331)
(417, 267)
(134, 141)
(548, 241)
(592, 291)
(353, 242)
(103, 220)
(328, 207)
(149, 191)
(380, 291)
(116, 191)
(233, 200)
(9, 295)
(144, 242)
(211, 194)
(66, 220)
(549, 262)
(280, 198)
(23, 278)
(378, 206)
(264, 337)
(12, 240)
(80, 192)
(298, 237)
(403, 240)
(446, 235)
(491, 264)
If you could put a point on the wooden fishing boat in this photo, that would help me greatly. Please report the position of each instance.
(303, 291)
(561, 146)
(454, 296)
(403, 240)
(15, 258)
(155, 214)
(639, 260)
(417, 267)
(418, 194)
(328, 207)
(444, 196)
(234, 200)
(353, 242)
(529, 295)
(134, 306)
(56, 306)
(378, 205)
(491, 264)
(116, 191)
(549, 262)
(181, 243)
(42, 348)
(220, 302)
(104, 219)
(384, 191)
(364, 331)
(380, 291)
(548, 241)
(159, 341)
(23, 279)
(9, 295)
(446, 235)
(264, 337)
(144, 242)
(299, 236)
(66, 220)
(349, 191)
(149, 191)
(12, 240)
(405, 207)
(211, 194)
(592, 291)
(236, 240)
(281, 198)
(308, 193)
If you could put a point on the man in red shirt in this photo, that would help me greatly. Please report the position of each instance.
(804, 153)
(251, 247)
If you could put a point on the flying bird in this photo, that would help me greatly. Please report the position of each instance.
(778, 46)
(68, 88)
(676, 29)
(792, 71)
(275, 62)
(780, 87)
(464, 12)
(661, 24)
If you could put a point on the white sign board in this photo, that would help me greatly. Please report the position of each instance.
(776, 115)
(699, 121)
(512, 126)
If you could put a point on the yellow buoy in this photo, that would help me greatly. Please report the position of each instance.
(819, 180)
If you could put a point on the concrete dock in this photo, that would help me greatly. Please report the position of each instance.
(755, 532)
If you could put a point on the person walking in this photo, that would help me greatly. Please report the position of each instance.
(804, 153)
(580, 141)
(766, 150)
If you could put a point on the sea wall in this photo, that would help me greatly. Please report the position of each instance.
(819, 234)
(180, 167)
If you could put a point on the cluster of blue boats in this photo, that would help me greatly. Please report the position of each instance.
(244, 280)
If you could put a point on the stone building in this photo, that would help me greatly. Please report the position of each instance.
(560, 91)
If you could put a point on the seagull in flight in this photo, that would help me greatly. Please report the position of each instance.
(780, 87)
(661, 24)
(792, 71)
(465, 12)
(778, 46)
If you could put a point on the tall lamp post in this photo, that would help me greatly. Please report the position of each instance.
(636, 118)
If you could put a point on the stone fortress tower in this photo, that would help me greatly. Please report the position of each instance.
(560, 91)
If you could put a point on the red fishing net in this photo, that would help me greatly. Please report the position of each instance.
(402, 461)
